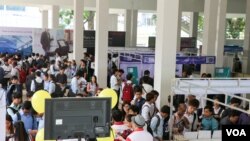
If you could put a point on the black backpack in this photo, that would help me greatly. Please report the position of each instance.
(149, 129)
(39, 86)
(58, 91)
(14, 110)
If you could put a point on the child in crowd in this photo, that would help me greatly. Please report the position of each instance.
(208, 122)
(191, 115)
(138, 99)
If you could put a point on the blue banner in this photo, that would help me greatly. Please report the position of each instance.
(233, 48)
(195, 60)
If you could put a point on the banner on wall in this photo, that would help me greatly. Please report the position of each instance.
(16, 40)
(48, 41)
(195, 60)
(24, 41)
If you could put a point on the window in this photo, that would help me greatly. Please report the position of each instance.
(1, 7)
(15, 8)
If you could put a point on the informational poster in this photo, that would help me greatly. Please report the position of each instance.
(16, 40)
(131, 63)
(46, 41)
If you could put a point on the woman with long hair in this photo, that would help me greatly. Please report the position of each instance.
(20, 133)
(92, 86)
(125, 108)
(9, 127)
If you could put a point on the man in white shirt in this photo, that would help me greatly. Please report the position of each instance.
(139, 134)
(118, 127)
(147, 108)
(74, 89)
(113, 81)
(115, 84)
(14, 70)
(7, 70)
(191, 115)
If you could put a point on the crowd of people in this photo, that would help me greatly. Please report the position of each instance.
(135, 117)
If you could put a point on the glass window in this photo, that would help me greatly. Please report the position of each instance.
(15, 8)
(1, 7)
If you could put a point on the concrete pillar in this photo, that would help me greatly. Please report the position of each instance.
(128, 27)
(220, 36)
(113, 22)
(45, 20)
(101, 41)
(209, 35)
(168, 21)
(55, 16)
(246, 65)
(193, 29)
(78, 30)
(131, 28)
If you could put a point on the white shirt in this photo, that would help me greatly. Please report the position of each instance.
(52, 70)
(140, 135)
(147, 111)
(2, 115)
(119, 127)
(15, 72)
(52, 87)
(58, 59)
(83, 83)
(74, 85)
(146, 89)
(190, 118)
(114, 83)
(7, 70)
(10, 111)
(33, 86)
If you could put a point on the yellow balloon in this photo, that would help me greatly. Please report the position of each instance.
(110, 138)
(40, 135)
(38, 100)
(110, 93)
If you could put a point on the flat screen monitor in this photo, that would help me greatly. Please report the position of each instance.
(68, 118)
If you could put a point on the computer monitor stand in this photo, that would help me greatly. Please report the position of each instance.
(80, 135)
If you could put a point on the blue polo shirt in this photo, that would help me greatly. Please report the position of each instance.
(30, 122)
(209, 123)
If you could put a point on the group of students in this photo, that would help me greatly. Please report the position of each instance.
(140, 120)
(59, 77)
(188, 115)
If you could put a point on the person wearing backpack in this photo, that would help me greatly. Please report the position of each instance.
(54, 88)
(157, 122)
(25, 115)
(15, 105)
(127, 89)
(147, 108)
(13, 87)
(191, 115)
(22, 75)
(37, 83)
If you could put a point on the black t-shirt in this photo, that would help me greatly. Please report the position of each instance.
(61, 78)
